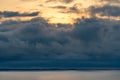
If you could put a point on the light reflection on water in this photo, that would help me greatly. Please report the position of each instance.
(61, 75)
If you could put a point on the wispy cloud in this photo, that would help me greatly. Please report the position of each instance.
(106, 10)
(17, 14)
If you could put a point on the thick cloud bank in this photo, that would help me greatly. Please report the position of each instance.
(90, 39)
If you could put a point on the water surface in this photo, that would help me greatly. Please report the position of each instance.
(61, 75)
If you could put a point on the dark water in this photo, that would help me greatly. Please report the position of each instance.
(61, 75)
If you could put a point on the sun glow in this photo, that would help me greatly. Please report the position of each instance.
(59, 11)
(54, 11)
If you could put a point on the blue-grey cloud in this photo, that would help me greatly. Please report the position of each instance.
(17, 14)
(90, 39)
(62, 1)
(59, 7)
(106, 10)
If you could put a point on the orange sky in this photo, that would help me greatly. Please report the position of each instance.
(55, 11)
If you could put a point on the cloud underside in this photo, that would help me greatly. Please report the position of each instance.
(92, 39)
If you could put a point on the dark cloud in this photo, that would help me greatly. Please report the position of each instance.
(74, 10)
(62, 1)
(35, 40)
(17, 14)
(88, 33)
(3, 38)
(66, 1)
(59, 7)
(106, 10)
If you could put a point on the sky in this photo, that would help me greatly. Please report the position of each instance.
(59, 33)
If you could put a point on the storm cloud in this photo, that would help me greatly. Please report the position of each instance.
(90, 39)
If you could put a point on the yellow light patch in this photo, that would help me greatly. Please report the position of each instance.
(54, 11)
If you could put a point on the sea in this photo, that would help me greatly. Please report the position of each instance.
(61, 75)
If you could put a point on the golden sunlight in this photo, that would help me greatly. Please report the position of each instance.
(60, 11)
(54, 11)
